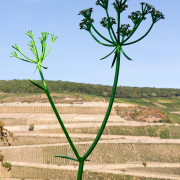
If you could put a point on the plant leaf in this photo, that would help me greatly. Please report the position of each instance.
(108, 54)
(44, 67)
(70, 158)
(37, 85)
(126, 55)
(114, 59)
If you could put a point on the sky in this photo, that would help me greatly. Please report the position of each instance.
(75, 55)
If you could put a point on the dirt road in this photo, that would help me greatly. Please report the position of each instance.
(85, 104)
(109, 168)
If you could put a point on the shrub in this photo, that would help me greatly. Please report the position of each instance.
(144, 164)
(31, 127)
(165, 134)
(166, 120)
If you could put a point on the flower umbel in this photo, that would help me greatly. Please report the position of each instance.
(123, 30)
(34, 49)
(103, 3)
(87, 23)
(147, 8)
(136, 17)
(119, 5)
(105, 23)
(86, 12)
(156, 15)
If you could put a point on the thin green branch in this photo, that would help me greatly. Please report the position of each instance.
(133, 30)
(141, 37)
(109, 107)
(48, 51)
(57, 114)
(101, 35)
(111, 29)
(24, 59)
(98, 40)
(43, 51)
(36, 55)
(108, 54)
(118, 26)
(23, 54)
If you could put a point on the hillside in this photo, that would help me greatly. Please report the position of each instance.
(25, 86)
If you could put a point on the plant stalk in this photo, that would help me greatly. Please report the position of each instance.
(57, 115)
(81, 162)
(80, 170)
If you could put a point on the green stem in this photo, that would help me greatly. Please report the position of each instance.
(109, 107)
(100, 34)
(36, 55)
(57, 115)
(26, 56)
(48, 51)
(80, 171)
(139, 38)
(98, 40)
(110, 28)
(133, 30)
(113, 34)
(118, 27)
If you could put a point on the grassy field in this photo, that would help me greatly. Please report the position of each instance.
(47, 174)
(21, 121)
(103, 153)
(28, 97)
(164, 132)
(31, 140)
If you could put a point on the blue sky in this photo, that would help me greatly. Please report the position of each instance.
(75, 55)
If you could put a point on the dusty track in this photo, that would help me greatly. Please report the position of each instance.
(170, 141)
(109, 168)
(85, 104)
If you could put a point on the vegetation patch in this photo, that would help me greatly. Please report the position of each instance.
(143, 114)
(41, 173)
(23, 121)
(103, 153)
(25, 86)
(111, 130)
(164, 132)
(35, 140)
(159, 170)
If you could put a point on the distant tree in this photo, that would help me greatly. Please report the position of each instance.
(173, 93)
(24, 86)
(135, 93)
(153, 95)
(144, 95)
(104, 94)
